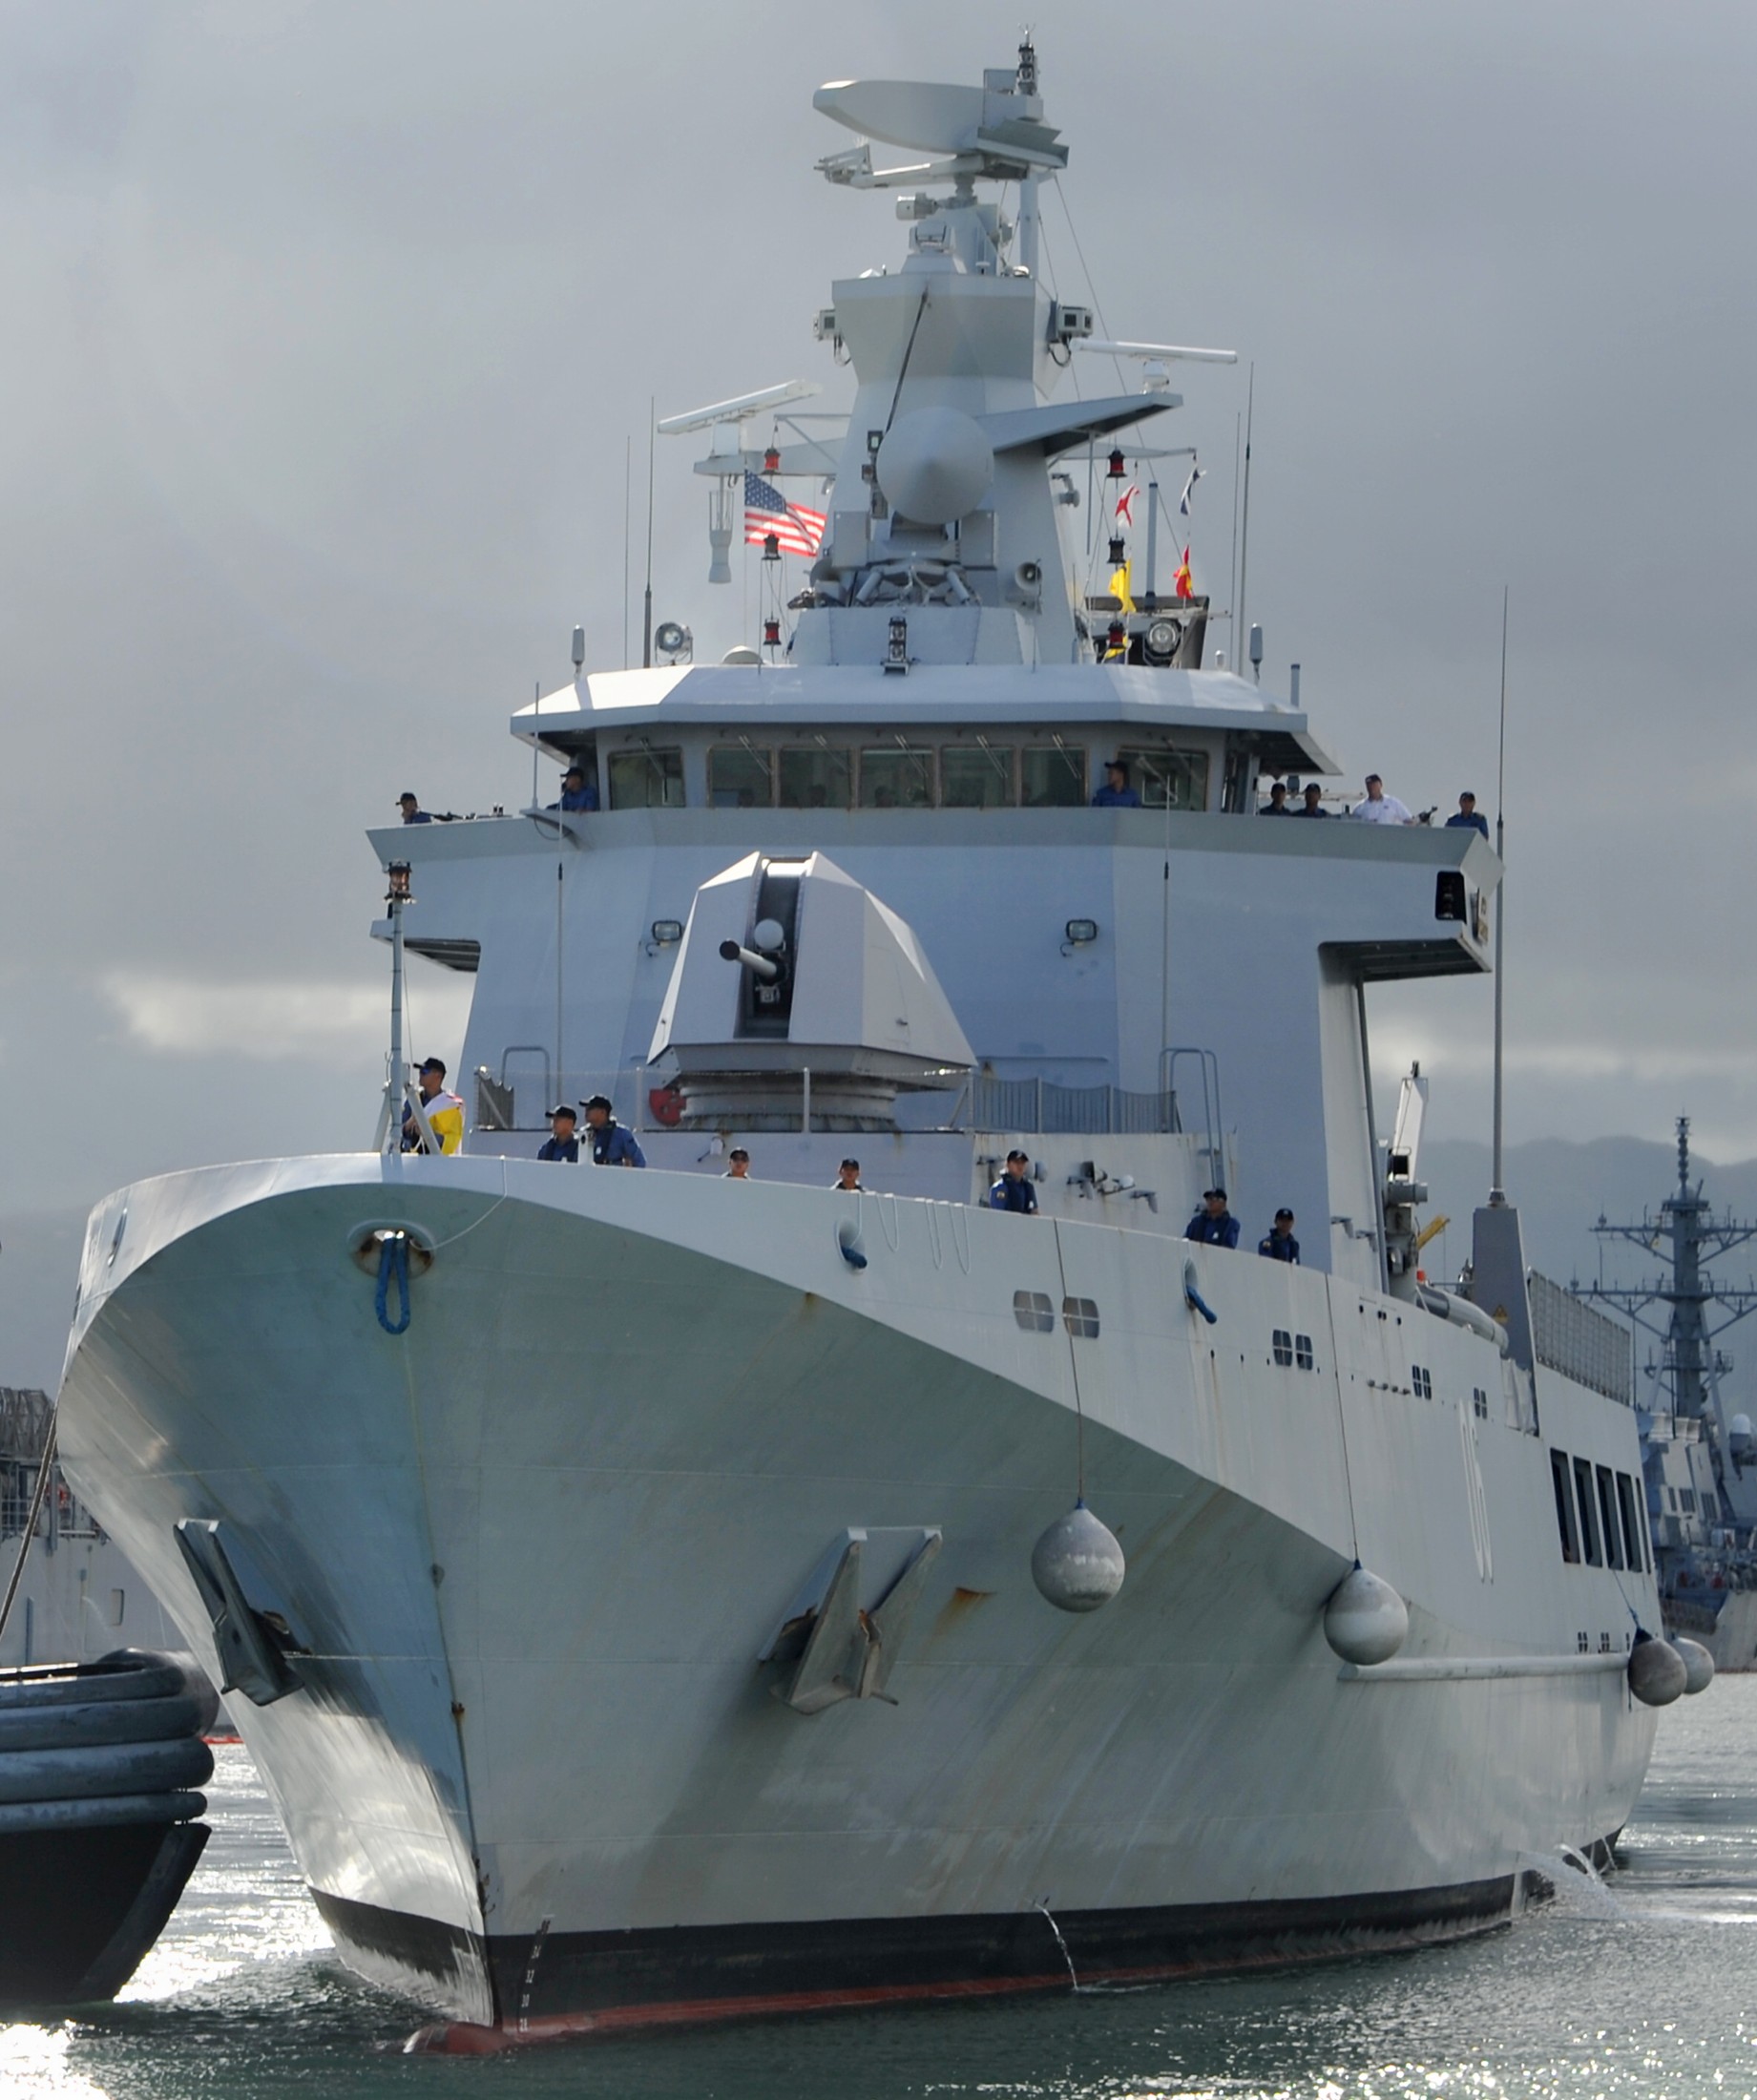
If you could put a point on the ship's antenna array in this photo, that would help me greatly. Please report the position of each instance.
(646, 623)
(1497, 1187)
(1686, 1236)
(401, 1095)
(1238, 623)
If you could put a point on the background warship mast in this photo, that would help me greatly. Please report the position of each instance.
(1699, 1463)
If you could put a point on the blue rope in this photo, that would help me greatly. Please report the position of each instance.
(393, 1261)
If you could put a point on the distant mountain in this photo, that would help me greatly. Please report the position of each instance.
(1563, 1189)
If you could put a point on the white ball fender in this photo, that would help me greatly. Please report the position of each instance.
(1078, 1563)
(1365, 1620)
(1657, 1673)
(1698, 1667)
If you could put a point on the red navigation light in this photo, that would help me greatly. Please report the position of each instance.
(1118, 637)
(771, 634)
(771, 547)
(1118, 553)
(771, 461)
(1116, 465)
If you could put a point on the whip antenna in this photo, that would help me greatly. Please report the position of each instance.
(1497, 1188)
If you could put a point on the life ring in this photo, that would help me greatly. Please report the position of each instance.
(667, 1104)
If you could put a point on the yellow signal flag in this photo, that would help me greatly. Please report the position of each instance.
(1120, 587)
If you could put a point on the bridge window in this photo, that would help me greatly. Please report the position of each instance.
(1422, 1382)
(1281, 1346)
(646, 780)
(1051, 777)
(814, 777)
(1303, 1354)
(740, 778)
(1564, 1506)
(1180, 775)
(897, 777)
(976, 776)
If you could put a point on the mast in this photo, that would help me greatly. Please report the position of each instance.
(1497, 1188)
(1687, 1238)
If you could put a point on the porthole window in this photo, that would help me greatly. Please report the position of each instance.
(1080, 1317)
(1281, 1342)
(1034, 1312)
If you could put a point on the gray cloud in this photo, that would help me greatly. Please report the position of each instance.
(329, 324)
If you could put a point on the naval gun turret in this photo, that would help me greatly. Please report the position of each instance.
(800, 1002)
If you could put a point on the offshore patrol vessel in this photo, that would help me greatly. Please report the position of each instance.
(652, 1595)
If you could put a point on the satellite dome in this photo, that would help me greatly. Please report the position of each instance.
(935, 465)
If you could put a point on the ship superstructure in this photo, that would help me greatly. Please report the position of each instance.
(642, 1587)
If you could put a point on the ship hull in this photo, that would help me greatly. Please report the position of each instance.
(536, 1548)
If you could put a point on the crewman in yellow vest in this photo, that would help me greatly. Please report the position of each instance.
(444, 1110)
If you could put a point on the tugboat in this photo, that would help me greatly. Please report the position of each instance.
(1698, 1461)
(920, 1565)
(99, 1760)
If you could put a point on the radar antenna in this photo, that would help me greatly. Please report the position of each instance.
(1686, 1236)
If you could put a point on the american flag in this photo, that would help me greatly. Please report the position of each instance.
(799, 531)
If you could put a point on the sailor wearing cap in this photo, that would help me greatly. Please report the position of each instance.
(612, 1145)
(1279, 1243)
(847, 1176)
(410, 806)
(1214, 1224)
(444, 1111)
(1116, 793)
(577, 793)
(1014, 1192)
(564, 1143)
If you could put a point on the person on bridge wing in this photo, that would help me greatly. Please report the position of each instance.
(1014, 1192)
(444, 1111)
(612, 1145)
(1214, 1224)
(1278, 1243)
(563, 1144)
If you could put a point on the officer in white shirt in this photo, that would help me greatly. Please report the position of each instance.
(1379, 808)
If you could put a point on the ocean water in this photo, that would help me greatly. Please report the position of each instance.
(1647, 1985)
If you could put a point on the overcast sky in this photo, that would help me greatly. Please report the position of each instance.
(326, 327)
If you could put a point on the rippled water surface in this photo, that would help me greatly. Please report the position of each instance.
(1648, 1986)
